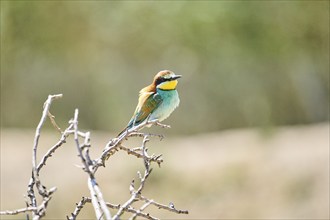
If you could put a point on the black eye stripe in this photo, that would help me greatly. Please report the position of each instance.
(161, 80)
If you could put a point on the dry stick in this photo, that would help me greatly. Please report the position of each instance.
(17, 211)
(84, 200)
(141, 214)
(134, 193)
(52, 150)
(43, 206)
(113, 144)
(146, 159)
(39, 211)
(98, 202)
(153, 158)
(140, 134)
(169, 207)
(35, 174)
(80, 205)
(90, 167)
(140, 210)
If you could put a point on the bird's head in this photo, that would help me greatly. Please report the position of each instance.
(166, 80)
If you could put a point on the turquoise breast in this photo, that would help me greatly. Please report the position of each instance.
(170, 102)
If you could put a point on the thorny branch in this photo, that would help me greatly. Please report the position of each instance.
(90, 166)
(96, 194)
(35, 181)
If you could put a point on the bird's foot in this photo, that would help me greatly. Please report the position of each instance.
(156, 122)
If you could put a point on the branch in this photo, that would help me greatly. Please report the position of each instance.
(84, 200)
(35, 181)
(18, 211)
(134, 152)
(169, 207)
(98, 202)
(101, 207)
(52, 150)
(113, 145)
(39, 211)
(143, 207)
(80, 205)
(135, 193)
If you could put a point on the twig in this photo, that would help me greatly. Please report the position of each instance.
(140, 134)
(113, 144)
(43, 206)
(35, 181)
(135, 193)
(98, 202)
(78, 208)
(74, 122)
(169, 207)
(18, 211)
(85, 200)
(146, 158)
(152, 158)
(50, 152)
(140, 210)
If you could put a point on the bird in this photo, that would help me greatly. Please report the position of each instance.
(156, 101)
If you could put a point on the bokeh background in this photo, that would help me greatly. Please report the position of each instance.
(250, 138)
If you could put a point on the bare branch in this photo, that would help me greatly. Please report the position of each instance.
(50, 152)
(35, 174)
(85, 200)
(18, 211)
(74, 122)
(169, 207)
(112, 145)
(140, 134)
(81, 204)
(79, 207)
(135, 193)
(98, 202)
(140, 210)
(101, 207)
(152, 158)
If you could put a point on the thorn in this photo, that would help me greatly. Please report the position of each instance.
(139, 174)
(131, 187)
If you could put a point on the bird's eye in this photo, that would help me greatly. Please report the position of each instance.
(160, 80)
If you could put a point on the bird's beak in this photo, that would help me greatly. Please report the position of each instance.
(176, 77)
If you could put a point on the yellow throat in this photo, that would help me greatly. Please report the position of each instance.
(169, 85)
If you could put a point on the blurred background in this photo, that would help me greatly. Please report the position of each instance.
(253, 122)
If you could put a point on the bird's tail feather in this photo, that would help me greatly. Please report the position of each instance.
(123, 131)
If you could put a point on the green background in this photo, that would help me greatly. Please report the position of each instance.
(244, 63)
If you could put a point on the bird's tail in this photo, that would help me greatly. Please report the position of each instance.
(123, 132)
(130, 124)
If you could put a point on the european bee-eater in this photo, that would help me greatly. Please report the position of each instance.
(156, 101)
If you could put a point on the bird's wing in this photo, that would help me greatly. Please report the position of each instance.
(148, 102)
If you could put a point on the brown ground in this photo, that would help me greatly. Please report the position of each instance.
(232, 174)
